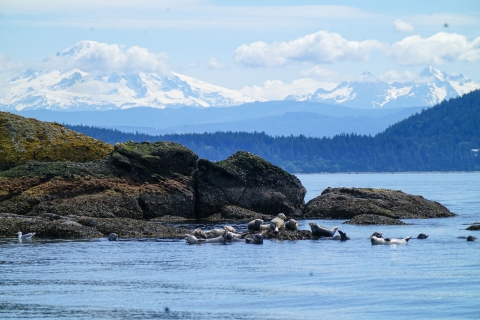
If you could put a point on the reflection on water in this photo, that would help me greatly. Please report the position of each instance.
(433, 278)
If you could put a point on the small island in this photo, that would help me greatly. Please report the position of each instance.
(59, 183)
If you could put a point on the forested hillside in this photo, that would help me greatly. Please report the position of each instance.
(437, 139)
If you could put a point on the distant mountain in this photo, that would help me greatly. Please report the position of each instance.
(373, 93)
(77, 89)
(273, 117)
(445, 137)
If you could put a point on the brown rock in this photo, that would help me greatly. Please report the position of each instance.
(345, 203)
(372, 219)
(247, 181)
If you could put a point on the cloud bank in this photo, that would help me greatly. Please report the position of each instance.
(438, 49)
(319, 47)
(326, 47)
(96, 57)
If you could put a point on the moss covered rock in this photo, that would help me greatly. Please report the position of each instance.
(23, 139)
(247, 181)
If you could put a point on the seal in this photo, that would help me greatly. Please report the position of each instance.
(291, 224)
(471, 238)
(112, 237)
(320, 231)
(279, 220)
(422, 236)
(341, 237)
(256, 239)
(199, 233)
(191, 239)
(255, 224)
(229, 229)
(388, 241)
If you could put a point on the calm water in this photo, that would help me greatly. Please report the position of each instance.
(434, 278)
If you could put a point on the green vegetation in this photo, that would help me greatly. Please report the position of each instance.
(23, 139)
(437, 139)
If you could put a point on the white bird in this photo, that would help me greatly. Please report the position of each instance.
(25, 236)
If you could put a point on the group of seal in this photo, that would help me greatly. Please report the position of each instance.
(257, 230)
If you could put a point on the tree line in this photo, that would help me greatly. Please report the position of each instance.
(440, 138)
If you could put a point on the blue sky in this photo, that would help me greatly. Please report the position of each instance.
(264, 48)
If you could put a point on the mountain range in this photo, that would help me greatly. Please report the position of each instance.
(83, 87)
(369, 92)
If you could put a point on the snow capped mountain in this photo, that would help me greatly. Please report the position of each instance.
(369, 92)
(87, 77)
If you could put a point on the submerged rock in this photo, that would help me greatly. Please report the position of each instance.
(346, 203)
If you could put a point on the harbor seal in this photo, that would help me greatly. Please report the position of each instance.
(320, 231)
(255, 239)
(422, 236)
(255, 224)
(342, 236)
(291, 224)
(471, 238)
(199, 233)
(279, 220)
(388, 241)
(112, 237)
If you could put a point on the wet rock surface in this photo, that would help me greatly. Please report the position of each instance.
(346, 203)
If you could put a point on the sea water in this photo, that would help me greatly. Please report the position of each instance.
(96, 279)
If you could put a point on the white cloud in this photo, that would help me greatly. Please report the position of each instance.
(278, 90)
(394, 75)
(95, 57)
(402, 26)
(7, 65)
(319, 47)
(213, 63)
(438, 49)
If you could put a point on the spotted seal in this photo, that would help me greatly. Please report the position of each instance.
(471, 238)
(279, 220)
(255, 224)
(255, 239)
(320, 231)
(291, 224)
(199, 233)
(422, 236)
(342, 236)
(112, 237)
(388, 241)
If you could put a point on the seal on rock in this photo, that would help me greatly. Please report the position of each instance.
(291, 224)
(199, 233)
(388, 241)
(279, 220)
(320, 231)
(422, 236)
(112, 237)
(255, 224)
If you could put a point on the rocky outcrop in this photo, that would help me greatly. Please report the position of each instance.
(247, 181)
(23, 139)
(139, 183)
(346, 203)
(372, 219)
(49, 225)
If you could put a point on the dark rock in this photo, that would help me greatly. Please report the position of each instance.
(346, 203)
(247, 181)
(74, 227)
(474, 227)
(372, 219)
